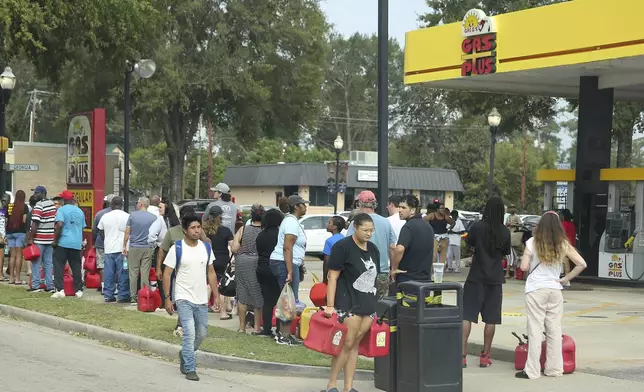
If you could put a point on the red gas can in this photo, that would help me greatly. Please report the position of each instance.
(295, 327)
(568, 351)
(375, 342)
(318, 294)
(519, 274)
(158, 302)
(568, 348)
(326, 335)
(147, 301)
(68, 285)
(31, 252)
(92, 280)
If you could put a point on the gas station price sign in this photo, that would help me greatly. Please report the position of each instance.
(85, 200)
(79, 151)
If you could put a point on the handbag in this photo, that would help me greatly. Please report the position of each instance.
(227, 283)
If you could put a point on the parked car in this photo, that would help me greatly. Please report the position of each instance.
(530, 221)
(315, 229)
(199, 205)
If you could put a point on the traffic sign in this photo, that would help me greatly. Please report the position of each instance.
(21, 167)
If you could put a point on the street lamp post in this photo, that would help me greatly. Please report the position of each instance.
(338, 143)
(141, 69)
(7, 83)
(493, 119)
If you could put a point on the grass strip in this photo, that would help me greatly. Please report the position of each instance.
(115, 317)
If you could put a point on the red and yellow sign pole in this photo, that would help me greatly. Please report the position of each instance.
(86, 164)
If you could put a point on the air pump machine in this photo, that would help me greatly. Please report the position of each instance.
(621, 248)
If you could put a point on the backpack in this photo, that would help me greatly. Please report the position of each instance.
(178, 252)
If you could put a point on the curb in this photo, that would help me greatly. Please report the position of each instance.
(205, 359)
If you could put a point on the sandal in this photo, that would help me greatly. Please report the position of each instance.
(230, 317)
(20, 282)
(241, 331)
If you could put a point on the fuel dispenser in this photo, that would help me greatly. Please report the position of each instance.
(554, 182)
(621, 247)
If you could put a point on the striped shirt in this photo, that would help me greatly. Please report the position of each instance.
(45, 215)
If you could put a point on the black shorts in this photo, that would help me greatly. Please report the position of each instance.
(483, 299)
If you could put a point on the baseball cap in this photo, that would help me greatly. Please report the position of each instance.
(367, 197)
(215, 211)
(221, 188)
(109, 197)
(40, 189)
(66, 195)
(296, 199)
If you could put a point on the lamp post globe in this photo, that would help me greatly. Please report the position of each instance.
(7, 79)
(494, 118)
(338, 143)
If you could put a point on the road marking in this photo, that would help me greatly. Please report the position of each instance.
(590, 310)
(628, 320)
(511, 314)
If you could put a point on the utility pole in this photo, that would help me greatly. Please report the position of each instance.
(198, 171)
(34, 102)
(210, 163)
(523, 179)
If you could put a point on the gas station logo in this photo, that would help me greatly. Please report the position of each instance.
(479, 44)
(615, 266)
(79, 151)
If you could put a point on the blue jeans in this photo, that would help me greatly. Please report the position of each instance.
(295, 284)
(113, 272)
(45, 262)
(278, 268)
(194, 320)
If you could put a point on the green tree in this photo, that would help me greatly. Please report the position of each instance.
(151, 167)
(350, 90)
(271, 151)
(627, 120)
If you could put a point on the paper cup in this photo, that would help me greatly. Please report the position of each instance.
(438, 272)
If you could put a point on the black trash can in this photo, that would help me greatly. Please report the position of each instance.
(385, 367)
(430, 335)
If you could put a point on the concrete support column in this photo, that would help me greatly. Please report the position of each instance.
(593, 154)
(549, 189)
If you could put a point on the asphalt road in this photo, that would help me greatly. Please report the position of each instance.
(32, 356)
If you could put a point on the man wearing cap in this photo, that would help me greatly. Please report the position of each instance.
(68, 242)
(383, 237)
(224, 200)
(43, 220)
(99, 245)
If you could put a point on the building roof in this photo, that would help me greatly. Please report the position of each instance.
(315, 174)
(110, 148)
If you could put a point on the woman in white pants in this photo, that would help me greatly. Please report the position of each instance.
(543, 258)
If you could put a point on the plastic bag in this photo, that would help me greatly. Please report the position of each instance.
(286, 309)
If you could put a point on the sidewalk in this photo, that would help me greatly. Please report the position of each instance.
(606, 323)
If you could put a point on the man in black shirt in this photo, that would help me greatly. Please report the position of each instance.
(412, 259)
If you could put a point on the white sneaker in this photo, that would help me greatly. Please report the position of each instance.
(58, 294)
(79, 294)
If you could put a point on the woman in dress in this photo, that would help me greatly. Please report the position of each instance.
(249, 294)
(351, 293)
(221, 239)
(266, 241)
(544, 255)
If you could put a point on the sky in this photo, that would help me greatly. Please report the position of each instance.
(350, 16)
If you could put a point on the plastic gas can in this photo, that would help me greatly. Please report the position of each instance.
(326, 334)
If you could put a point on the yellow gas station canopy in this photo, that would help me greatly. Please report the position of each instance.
(539, 51)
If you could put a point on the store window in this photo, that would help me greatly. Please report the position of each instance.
(427, 197)
(320, 196)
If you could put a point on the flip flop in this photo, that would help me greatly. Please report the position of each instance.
(230, 317)
(20, 283)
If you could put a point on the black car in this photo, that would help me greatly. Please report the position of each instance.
(199, 205)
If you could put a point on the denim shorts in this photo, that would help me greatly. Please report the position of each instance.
(16, 240)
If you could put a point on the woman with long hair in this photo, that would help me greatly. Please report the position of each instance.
(543, 258)
(288, 256)
(351, 293)
(169, 214)
(249, 294)
(266, 241)
(483, 289)
(16, 232)
(221, 239)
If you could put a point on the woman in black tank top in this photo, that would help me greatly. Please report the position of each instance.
(438, 217)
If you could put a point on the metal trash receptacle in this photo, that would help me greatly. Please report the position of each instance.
(385, 367)
(430, 336)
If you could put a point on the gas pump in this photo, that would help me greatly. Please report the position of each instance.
(621, 248)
